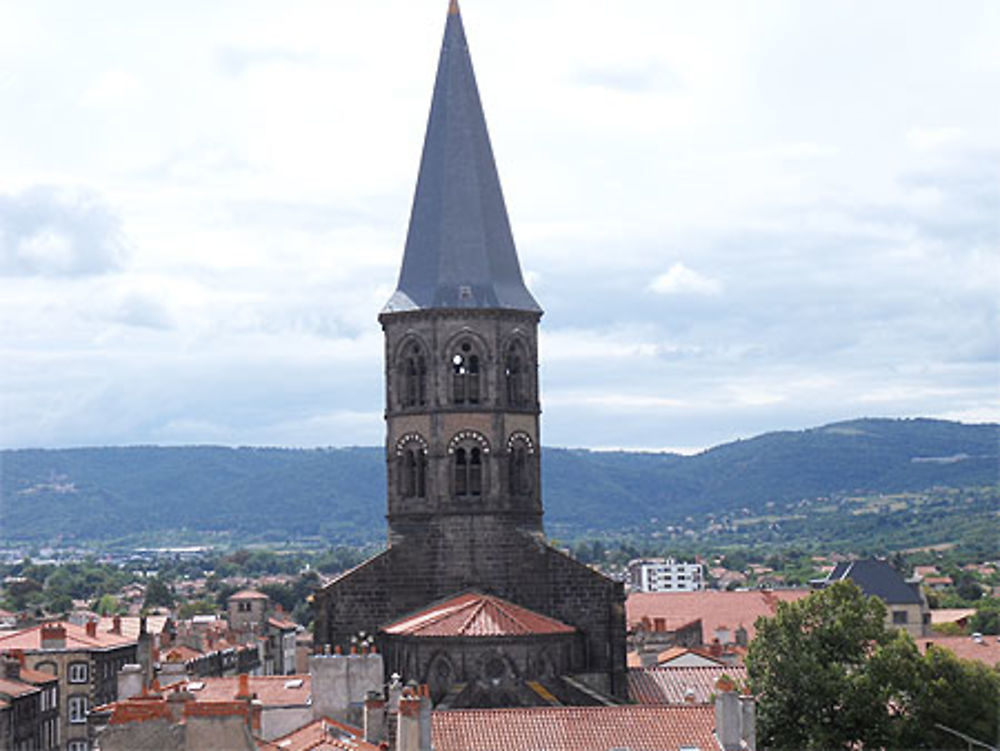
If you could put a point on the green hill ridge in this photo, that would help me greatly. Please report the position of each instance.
(337, 494)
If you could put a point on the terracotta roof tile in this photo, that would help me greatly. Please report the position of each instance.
(679, 685)
(638, 728)
(16, 688)
(323, 734)
(986, 650)
(475, 614)
(283, 624)
(77, 638)
(129, 624)
(716, 609)
(37, 676)
(248, 594)
(271, 690)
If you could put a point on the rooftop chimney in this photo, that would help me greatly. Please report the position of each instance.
(91, 627)
(374, 717)
(53, 636)
(11, 668)
(414, 720)
(735, 718)
(116, 625)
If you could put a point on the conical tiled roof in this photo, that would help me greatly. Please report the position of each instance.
(459, 250)
(475, 614)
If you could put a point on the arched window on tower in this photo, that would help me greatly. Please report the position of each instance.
(469, 451)
(516, 375)
(466, 384)
(413, 373)
(520, 465)
(411, 466)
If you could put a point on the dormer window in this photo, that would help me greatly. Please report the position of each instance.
(465, 375)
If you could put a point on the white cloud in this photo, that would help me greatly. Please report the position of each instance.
(926, 139)
(680, 280)
(244, 225)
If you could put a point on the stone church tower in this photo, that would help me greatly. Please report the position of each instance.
(462, 454)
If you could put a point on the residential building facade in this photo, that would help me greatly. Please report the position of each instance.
(665, 575)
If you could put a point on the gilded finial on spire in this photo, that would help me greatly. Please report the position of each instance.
(453, 8)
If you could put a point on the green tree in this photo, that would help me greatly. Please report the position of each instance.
(106, 605)
(958, 694)
(987, 617)
(825, 670)
(158, 594)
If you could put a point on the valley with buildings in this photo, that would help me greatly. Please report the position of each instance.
(464, 587)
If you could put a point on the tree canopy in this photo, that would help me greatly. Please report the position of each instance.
(828, 673)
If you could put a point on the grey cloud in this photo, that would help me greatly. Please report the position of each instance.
(311, 217)
(48, 231)
(144, 312)
(631, 78)
(235, 61)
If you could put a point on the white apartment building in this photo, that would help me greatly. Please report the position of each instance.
(664, 575)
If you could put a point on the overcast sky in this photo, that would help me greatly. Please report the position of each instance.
(739, 217)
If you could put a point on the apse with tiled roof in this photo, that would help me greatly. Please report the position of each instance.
(462, 423)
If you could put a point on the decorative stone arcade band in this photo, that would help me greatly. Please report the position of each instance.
(468, 386)
(469, 451)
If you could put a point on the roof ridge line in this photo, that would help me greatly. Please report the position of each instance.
(476, 610)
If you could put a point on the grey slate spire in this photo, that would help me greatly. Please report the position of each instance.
(459, 250)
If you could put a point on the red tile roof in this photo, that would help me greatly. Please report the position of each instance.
(323, 734)
(248, 594)
(475, 614)
(637, 728)
(986, 650)
(37, 676)
(282, 624)
(679, 685)
(16, 688)
(271, 690)
(716, 609)
(180, 653)
(77, 639)
(129, 624)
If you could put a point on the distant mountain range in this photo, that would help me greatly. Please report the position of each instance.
(338, 495)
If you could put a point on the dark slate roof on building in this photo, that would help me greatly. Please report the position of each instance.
(877, 578)
(459, 250)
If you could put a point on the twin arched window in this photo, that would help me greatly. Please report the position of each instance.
(520, 465)
(468, 465)
(466, 376)
(515, 374)
(411, 466)
(413, 372)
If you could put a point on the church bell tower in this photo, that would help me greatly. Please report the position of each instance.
(466, 551)
(461, 342)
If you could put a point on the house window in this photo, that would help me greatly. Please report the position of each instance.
(78, 746)
(77, 709)
(79, 672)
(465, 375)
(413, 372)
(899, 617)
